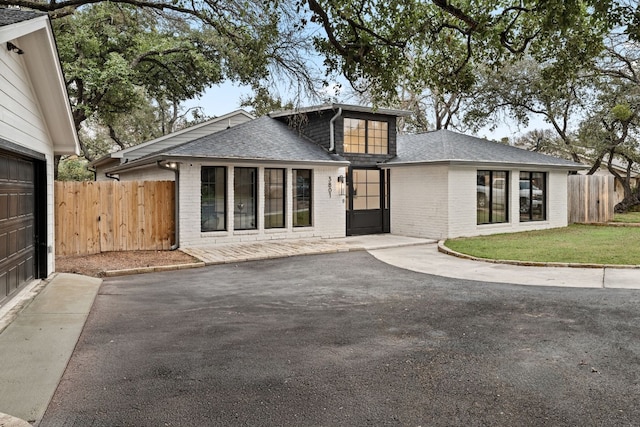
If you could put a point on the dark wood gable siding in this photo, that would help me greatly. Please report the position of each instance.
(316, 127)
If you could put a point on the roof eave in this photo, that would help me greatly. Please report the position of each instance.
(244, 160)
(36, 39)
(493, 164)
(344, 107)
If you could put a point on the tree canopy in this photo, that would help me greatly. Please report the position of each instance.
(130, 64)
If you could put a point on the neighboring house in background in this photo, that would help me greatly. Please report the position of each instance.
(99, 166)
(335, 170)
(35, 124)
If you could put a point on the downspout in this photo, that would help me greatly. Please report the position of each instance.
(94, 171)
(332, 138)
(112, 176)
(176, 171)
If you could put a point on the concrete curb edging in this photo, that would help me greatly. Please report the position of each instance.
(152, 269)
(445, 250)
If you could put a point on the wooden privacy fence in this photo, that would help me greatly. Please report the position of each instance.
(591, 198)
(94, 217)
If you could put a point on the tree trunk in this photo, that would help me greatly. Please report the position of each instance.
(627, 204)
(56, 164)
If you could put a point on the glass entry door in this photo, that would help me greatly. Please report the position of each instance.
(367, 201)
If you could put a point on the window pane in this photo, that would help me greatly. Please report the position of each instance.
(532, 196)
(539, 196)
(212, 199)
(244, 193)
(492, 198)
(302, 198)
(354, 136)
(378, 140)
(274, 201)
(366, 189)
(483, 197)
(499, 197)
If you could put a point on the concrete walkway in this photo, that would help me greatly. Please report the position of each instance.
(427, 259)
(37, 342)
(38, 335)
(253, 251)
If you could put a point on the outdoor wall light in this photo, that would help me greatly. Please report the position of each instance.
(13, 48)
(168, 165)
(341, 186)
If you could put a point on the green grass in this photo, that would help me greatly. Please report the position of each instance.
(627, 217)
(575, 244)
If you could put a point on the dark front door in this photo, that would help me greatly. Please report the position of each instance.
(367, 201)
(17, 223)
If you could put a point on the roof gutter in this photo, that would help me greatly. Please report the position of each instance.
(173, 167)
(332, 138)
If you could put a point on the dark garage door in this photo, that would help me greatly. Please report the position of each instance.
(17, 222)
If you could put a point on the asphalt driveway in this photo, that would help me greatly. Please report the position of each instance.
(345, 339)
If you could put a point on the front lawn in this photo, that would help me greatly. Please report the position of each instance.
(576, 244)
(627, 217)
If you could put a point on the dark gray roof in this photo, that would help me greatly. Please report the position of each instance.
(447, 146)
(13, 16)
(263, 139)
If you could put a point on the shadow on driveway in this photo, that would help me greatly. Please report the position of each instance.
(344, 339)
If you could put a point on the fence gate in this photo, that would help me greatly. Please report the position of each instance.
(103, 216)
(591, 198)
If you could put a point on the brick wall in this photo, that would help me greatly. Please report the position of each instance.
(439, 201)
(419, 201)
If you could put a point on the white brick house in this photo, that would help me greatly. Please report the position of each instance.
(258, 180)
(35, 125)
(337, 170)
(447, 185)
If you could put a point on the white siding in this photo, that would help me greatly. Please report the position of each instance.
(22, 123)
(21, 120)
(328, 217)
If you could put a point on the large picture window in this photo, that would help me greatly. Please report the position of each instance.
(213, 198)
(302, 198)
(492, 197)
(533, 196)
(244, 194)
(366, 136)
(274, 200)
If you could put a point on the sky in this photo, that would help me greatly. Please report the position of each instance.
(222, 99)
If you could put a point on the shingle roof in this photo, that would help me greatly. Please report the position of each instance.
(448, 146)
(260, 139)
(13, 16)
